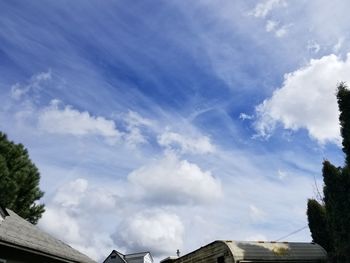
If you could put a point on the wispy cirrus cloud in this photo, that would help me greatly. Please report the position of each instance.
(263, 8)
(274, 27)
(199, 144)
(174, 82)
(34, 85)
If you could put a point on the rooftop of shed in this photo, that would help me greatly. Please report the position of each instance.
(275, 250)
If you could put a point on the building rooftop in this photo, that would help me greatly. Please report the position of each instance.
(19, 233)
(275, 250)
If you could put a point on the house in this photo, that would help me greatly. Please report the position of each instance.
(20, 242)
(117, 257)
(262, 252)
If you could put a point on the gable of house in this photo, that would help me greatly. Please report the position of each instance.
(115, 257)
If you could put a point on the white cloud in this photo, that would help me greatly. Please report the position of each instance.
(313, 46)
(170, 180)
(256, 214)
(134, 123)
(57, 222)
(134, 137)
(78, 194)
(281, 174)
(134, 119)
(72, 229)
(307, 100)
(276, 28)
(261, 10)
(187, 144)
(72, 193)
(157, 231)
(337, 47)
(271, 25)
(244, 116)
(18, 90)
(68, 120)
(257, 237)
(69, 216)
(281, 32)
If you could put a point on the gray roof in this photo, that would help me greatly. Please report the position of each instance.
(275, 250)
(17, 232)
(130, 257)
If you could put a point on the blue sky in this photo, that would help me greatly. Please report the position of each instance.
(160, 125)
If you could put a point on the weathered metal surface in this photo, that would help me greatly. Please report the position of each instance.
(276, 251)
(238, 252)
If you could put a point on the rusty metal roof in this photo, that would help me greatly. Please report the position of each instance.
(275, 251)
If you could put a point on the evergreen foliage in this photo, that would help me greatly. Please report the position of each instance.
(316, 214)
(19, 181)
(330, 222)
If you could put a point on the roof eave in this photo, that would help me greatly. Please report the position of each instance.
(37, 252)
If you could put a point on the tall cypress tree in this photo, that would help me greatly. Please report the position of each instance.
(334, 215)
(320, 233)
(19, 181)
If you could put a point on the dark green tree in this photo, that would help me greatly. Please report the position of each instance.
(19, 181)
(330, 222)
(316, 214)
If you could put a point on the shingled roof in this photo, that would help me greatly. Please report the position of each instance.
(19, 233)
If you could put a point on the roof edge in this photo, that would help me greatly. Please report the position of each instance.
(13, 215)
(142, 252)
(3, 212)
(116, 252)
(37, 252)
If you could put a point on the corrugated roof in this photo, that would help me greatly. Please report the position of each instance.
(16, 231)
(275, 250)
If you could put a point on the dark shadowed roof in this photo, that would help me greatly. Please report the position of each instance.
(19, 233)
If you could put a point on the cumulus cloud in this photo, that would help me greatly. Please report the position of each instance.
(19, 90)
(186, 144)
(77, 194)
(170, 180)
(71, 229)
(68, 217)
(68, 120)
(60, 224)
(160, 231)
(261, 10)
(307, 100)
